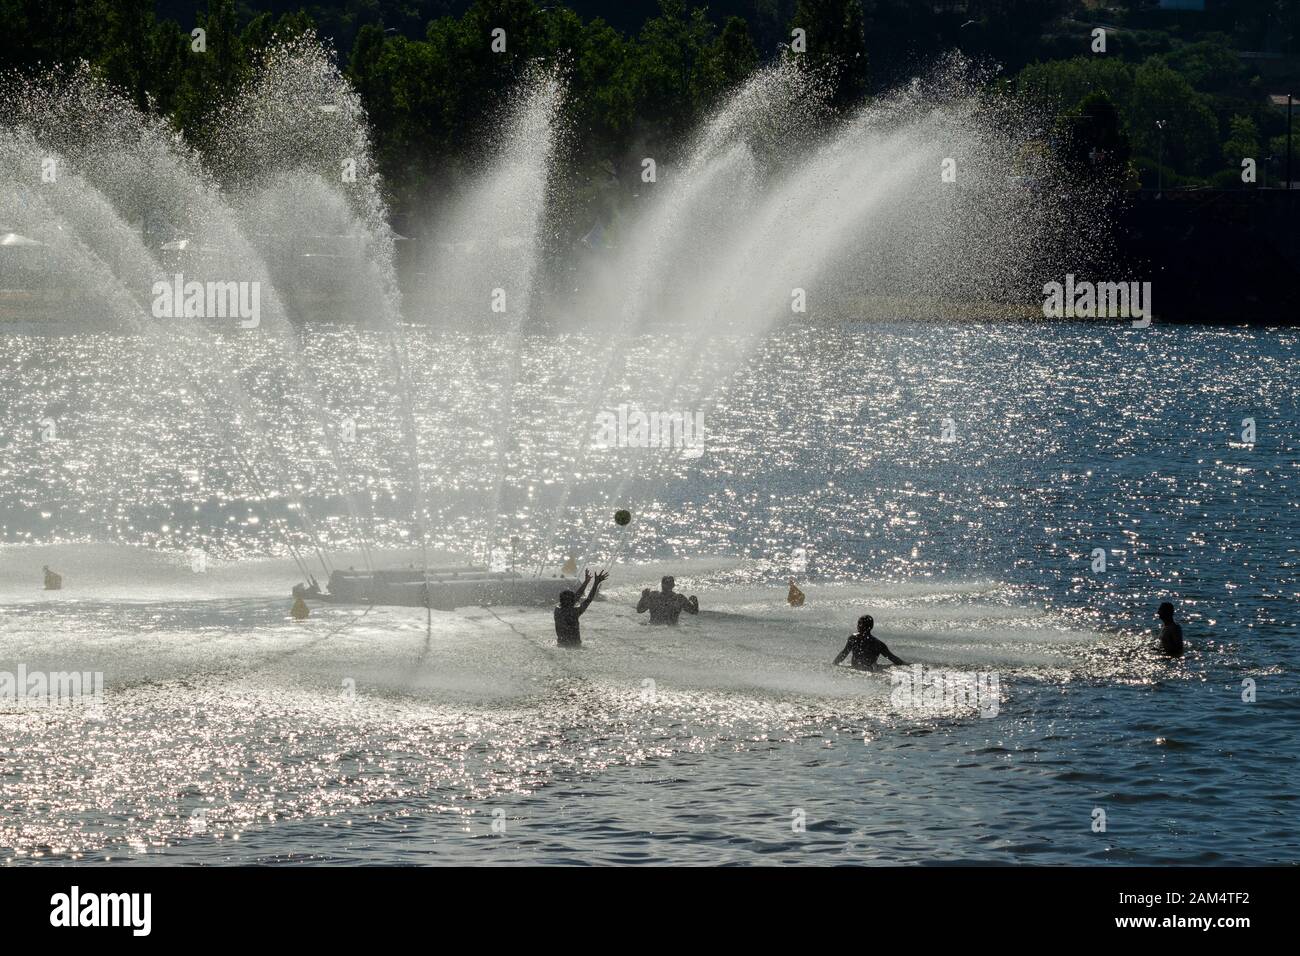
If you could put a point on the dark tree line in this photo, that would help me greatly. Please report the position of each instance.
(1172, 89)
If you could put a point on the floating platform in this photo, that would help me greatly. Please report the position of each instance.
(447, 588)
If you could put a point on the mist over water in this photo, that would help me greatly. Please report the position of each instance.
(229, 732)
(776, 209)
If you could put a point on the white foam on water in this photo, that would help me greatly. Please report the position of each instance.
(134, 613)
(216, 699)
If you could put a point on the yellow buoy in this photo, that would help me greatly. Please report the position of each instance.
(570, 566)
(300, 610)
(795, 597)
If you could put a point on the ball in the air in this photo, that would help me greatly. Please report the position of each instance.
(622, 516)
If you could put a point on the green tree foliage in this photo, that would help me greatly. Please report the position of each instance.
(264, 31)
(1209, 65)
(129, 59)
(1242, 142)
(431, 82)
(40, 31)
(428, 99)
(1145, 95)
(673, 69)
(213, 74)
(603, 85)
(1096, 145)
(1063, 84)
(1190, 131)
(1277, 150)
(837, 48)
(733, 56)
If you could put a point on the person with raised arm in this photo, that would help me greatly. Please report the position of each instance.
(567, 612)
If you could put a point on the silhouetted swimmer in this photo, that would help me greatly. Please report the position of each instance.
(666, 605)
(1171, 633)
(865, 647)
(568, 611)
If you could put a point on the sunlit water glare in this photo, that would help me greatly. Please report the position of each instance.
(230, 733)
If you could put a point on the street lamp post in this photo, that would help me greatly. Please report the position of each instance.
(1288, 141)
(1160, 159)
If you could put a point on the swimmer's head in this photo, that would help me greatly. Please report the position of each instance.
(668, 583)
(1166, 611)
(567, 598)
(866, 623)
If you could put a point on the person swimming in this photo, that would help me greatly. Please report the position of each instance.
(567, 612)
(1171, 632)
(865, 647)
(666, 606)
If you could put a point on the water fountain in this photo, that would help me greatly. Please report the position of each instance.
(407, 429)
(933, 196)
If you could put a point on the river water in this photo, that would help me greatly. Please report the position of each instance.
(960, 483)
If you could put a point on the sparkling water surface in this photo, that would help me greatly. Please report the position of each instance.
(230, 733)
